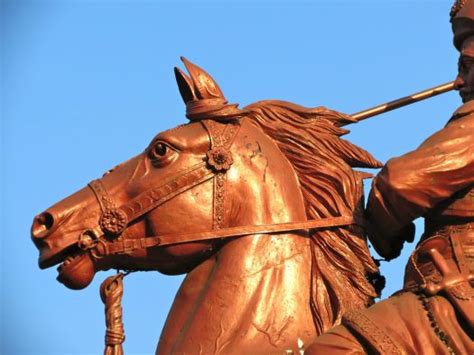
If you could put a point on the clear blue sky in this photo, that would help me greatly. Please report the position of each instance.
(86, 84)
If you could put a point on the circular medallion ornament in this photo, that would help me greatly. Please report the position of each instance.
(219, 158)
(113, 221)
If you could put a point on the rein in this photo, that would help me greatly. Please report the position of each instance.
(129, 245)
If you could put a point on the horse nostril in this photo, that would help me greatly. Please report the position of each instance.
(42, 225)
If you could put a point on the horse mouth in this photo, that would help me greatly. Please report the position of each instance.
(66, 258)
(49, 258)
(69, 261)
(76, 267)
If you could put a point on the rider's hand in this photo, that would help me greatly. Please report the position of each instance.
(406, 234)
(390, 246)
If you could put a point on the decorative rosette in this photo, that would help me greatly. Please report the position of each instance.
(219, 158)
(113, 221)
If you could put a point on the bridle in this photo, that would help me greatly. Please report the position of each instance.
(109, 236)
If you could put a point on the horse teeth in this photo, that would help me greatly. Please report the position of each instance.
(68, 260)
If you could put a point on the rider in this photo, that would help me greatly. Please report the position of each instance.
(434, 313)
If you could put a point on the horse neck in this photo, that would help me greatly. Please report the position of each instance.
(256, 292)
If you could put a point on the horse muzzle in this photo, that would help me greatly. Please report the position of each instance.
(55, 232)
(52, 246)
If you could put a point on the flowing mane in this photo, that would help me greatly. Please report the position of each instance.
(323, 161)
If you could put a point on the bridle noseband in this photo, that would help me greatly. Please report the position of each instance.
(110, 237)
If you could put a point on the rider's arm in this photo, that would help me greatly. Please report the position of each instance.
(411, 185)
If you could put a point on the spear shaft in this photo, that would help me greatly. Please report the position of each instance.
(407, 100)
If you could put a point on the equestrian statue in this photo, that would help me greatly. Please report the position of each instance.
(260, 206)
(263, 209)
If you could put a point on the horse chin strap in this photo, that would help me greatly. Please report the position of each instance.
(109, 237)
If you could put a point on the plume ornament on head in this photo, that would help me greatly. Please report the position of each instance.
(202, 96)
(462, 20)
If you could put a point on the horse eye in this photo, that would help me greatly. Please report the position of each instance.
(161, 153)
(160, 149)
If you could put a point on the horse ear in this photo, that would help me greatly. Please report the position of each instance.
(185, 86)
(204, 85)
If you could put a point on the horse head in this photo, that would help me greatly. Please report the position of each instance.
(226, 199)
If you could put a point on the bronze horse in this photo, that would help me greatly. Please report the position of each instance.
(260, 206)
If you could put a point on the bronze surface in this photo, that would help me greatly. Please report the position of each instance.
(257, 170)
(434, 312)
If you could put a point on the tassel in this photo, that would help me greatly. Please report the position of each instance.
(111, 292)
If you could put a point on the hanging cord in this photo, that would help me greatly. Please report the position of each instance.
(111, 292)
